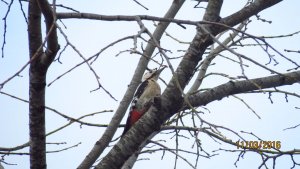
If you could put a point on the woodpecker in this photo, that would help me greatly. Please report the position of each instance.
(143, 97)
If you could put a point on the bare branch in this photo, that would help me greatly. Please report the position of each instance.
(65, 7)
(5, 26)
(71, 119)
(293, 127)
(86, 61)
(295, 51)
(280, 36)
(249, 107)
(4, 2)
(40, 62)
(172, 98)
(238, 87)
(23, 12)
(175, 153)
(141, 4)
(211, 56)
(120, 112)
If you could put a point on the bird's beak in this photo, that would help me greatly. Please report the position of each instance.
(160, 70)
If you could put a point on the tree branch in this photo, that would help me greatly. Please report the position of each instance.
(40, 61)
(52, 41)
(103, 142)
(230, 88)
(172, 97)
(36, 90)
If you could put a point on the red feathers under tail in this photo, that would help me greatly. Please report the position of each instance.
(133, 117)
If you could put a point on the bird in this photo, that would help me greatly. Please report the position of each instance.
(143, 97)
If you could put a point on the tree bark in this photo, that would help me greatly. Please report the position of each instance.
(172, 98)
(40, 61)
(103, 142)
(230, 88)
(37, 85)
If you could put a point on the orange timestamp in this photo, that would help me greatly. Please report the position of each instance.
(258, 144)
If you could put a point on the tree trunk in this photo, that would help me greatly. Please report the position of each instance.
(39, 63)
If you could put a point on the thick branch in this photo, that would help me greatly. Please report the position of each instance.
(230, 88)
(248, 11)
(210, 57)
(39, 63)
(103, 142)
(172, 96)
(52, 41)
(36, 90)
(127, 146)
(122, 18)
(34, 28)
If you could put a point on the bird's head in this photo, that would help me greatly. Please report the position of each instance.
(153, 74)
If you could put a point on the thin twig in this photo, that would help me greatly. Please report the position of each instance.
(5, 27)
(35, 55)
(141, 4)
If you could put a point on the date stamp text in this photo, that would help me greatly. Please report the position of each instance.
(258, 144)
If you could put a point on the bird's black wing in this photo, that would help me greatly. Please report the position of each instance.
(141, 89)
(137, 94)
